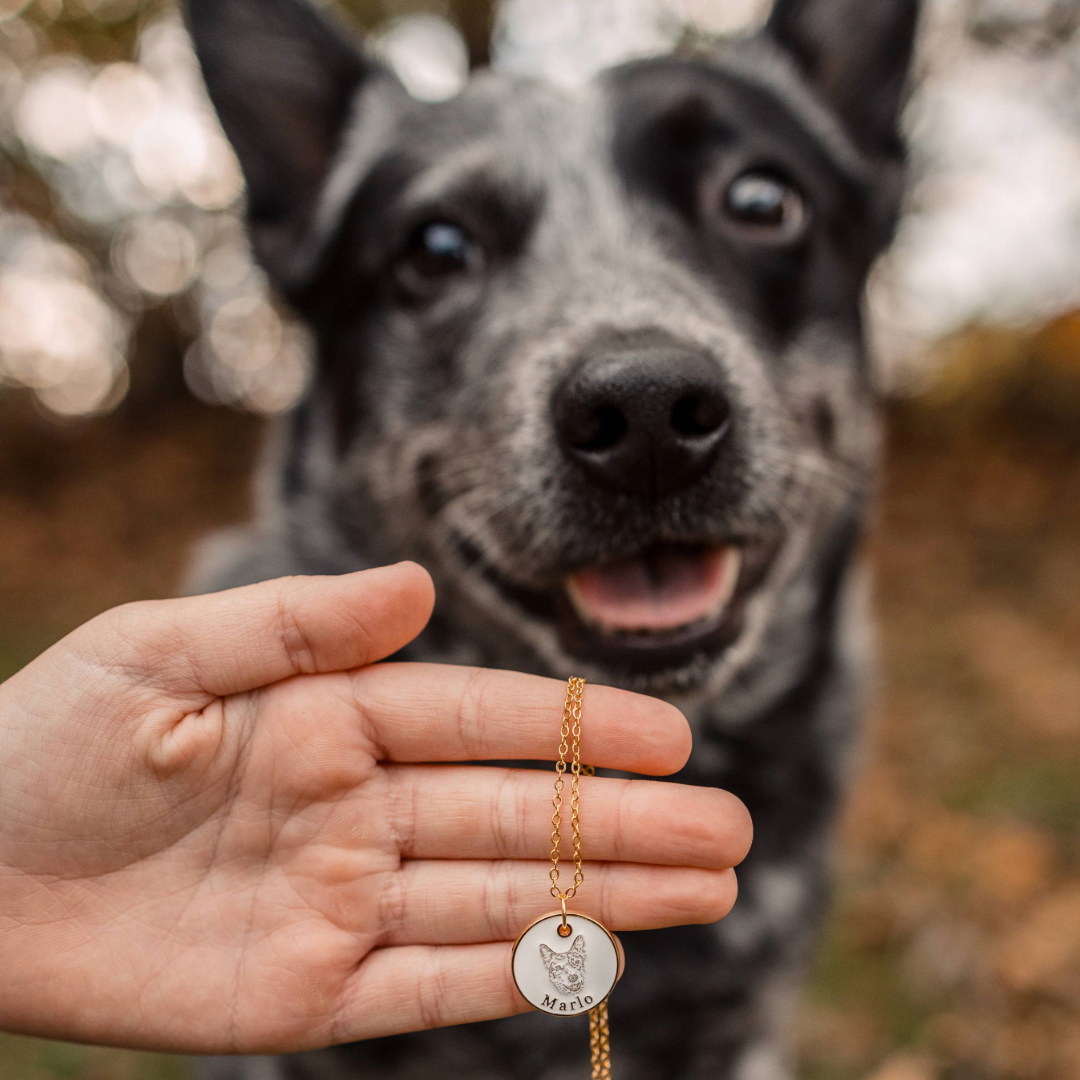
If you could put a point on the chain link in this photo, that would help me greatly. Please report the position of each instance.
(600, 1042)
(569, 745)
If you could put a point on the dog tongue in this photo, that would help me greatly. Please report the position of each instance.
(663, 589)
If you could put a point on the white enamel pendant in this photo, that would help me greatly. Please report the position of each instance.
(565, 976)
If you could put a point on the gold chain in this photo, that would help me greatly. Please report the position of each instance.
(571, 738)
(570, 745)
(600, 1042)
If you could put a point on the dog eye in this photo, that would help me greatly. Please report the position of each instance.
(766, 204)
(435, 253)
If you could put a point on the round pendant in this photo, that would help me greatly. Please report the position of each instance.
(566, 975)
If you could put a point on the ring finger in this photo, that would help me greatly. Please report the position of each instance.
(430, 902)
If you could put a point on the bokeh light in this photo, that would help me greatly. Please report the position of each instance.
(52, 115)
(140, 172)
(427, 53)
(138, 165)
(158, 254)
(58, 334)
(123, 100)
(11, 8)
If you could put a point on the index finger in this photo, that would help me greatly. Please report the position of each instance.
(430, 713)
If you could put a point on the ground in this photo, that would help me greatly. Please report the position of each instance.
(953, 951)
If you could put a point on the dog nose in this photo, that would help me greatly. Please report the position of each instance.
(647, 422)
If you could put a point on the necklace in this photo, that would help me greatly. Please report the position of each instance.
(567, 964)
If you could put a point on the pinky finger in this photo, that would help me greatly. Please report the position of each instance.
(418, 987)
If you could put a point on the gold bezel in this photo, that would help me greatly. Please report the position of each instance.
(570, 915)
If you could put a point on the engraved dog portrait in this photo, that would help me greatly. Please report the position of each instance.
(566, 970)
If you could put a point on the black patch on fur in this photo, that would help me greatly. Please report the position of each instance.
(858, 58)
(685, 128)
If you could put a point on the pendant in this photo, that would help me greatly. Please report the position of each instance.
(566, 970)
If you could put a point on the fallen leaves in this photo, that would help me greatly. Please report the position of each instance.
(956, 931)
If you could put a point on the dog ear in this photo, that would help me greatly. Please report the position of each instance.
(286, 86)
(857, 54)
(577, 952)
(547, 955)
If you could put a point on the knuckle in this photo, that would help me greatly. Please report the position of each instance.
(498, 899)
(393, 905)
(503, 812)
(470, 710)
(400, 795)
(366, 708)
(297, 647)
(434, 1010)
(623, 814)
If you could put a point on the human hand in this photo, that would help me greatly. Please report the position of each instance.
(221, 831)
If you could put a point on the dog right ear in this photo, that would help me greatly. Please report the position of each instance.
(287, 86)
(857, 55)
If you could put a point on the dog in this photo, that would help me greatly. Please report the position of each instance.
(596, 359)
(566, 970)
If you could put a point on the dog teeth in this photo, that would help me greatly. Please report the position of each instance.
(581, 609)
(732, 572)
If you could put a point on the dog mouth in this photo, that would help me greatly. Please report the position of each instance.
(662, 591)
(659, 609)
(651, 611)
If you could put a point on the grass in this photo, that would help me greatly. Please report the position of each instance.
(39, 1059)
(1042, 792)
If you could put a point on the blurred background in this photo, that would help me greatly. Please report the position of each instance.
(142, 359)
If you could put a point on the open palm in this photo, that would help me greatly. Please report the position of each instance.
(224, 827)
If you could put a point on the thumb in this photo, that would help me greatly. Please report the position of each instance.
(230, 642)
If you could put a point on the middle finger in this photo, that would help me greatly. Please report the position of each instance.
(463, 812)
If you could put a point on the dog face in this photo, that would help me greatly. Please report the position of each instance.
(594, 357)
(566, 970)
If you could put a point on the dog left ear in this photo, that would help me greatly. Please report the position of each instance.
(286, 85)
(857, 54)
